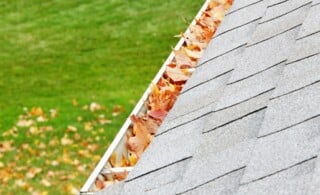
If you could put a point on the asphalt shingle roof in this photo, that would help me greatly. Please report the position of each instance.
(248, 120)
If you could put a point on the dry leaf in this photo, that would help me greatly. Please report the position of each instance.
(158, 114)
(66, 141)
(33, 172)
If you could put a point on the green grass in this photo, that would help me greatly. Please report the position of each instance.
(51, 52)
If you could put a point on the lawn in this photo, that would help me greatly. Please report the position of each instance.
(70, 74)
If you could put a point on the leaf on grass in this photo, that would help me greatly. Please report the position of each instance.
(25, 123)
(95, 107)
(53, 113)
(37, 111)
(117, 109)
(6, 146)
(33, 172)
(45, 182)
(71, 128)
(70, 189)
(66, 141)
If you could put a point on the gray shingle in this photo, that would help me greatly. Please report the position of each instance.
(283, 8)
(185, 119)
(284, 149)
(291, 109)
(168, 189)
(212, 68)
(254, 60)
(227, 184)
(275, 2)
(298, 75)
(206, 94)
(241, 5)
(156, 179)
(226, 42)
(294, 180)
(288, 21)
(206, 166)
(315, 2)
(233, 133)
(234, 113)
(315, 183)
(311, 25)
(170, 146)
(250, 87)
(242, 17)
(304, 47)
(116, 189)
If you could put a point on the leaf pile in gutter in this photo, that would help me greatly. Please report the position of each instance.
(165, 92)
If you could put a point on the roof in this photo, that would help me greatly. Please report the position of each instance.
(248, 120)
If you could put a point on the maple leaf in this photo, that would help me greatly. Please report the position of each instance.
(137, 144)
(193, 51)
(181, 59)
(158, 114)
(120, 176)
(133, 159)
(176, 74)
(99, 184)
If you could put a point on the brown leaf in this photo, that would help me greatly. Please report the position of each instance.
(99, 184)
(137, 144)
(176, 74)
(36, 111)
(182, 59)
(33, 172)
(158, 114)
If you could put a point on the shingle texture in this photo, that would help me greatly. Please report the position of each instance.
(248, 120)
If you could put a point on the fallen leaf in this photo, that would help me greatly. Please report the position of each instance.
(45, 182)
(25, 123)
(66, 141)
(158, 114)
(36, 111)
(71, 128)
(31, 173)
(95, 107)
(6, 146)
(176, 74)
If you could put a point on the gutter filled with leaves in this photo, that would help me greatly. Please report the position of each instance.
(140, 128)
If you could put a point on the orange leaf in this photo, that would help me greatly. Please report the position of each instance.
(176, 74)
(158, 114)
(181, 58)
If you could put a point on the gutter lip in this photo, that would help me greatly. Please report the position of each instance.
(85, 190)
